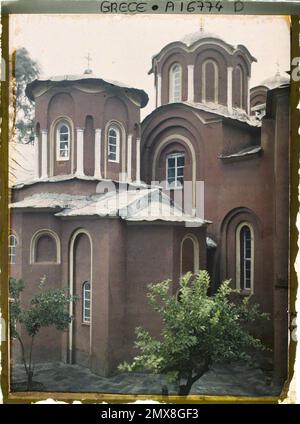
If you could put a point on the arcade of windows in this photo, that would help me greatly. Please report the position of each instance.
(63, 142)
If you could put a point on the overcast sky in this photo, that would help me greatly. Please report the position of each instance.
(121, 46)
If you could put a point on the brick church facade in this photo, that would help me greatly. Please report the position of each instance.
(93, 220)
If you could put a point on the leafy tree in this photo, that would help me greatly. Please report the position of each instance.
(47, 308)
(198, 330)
(25, 71)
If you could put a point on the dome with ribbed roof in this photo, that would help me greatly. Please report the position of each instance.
(191, 38)
(276, 80)
(199, 66)
(89, 78)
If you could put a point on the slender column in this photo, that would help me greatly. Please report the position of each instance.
(97, 169)
(129, 156)
(229, 88)
(37, 158)
(44, 154)
(190, 83)
(158, 91)
(79, 168)
(248, 96)
(138, 159)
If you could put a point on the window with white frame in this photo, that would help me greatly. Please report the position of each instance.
(113, 144)
(63, 142)
(12, 248)
(175, 170)
(175, 77)
(245, 257)
(86, 302)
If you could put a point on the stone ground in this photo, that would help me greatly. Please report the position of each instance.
(234, 379)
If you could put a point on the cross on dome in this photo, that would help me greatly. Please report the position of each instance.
(89, 59)
(277, 67)
(201, 19)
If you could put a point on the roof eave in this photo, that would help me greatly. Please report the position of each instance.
(220, 116)
(29, 91)
(240, 158)
(38, 209)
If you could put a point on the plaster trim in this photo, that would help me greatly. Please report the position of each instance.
(194, 163)
(196, 252)
(33, 242)
(71, 288)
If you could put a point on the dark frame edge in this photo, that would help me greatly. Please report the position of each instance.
(294, 152)
(4, 216)
(31, 397)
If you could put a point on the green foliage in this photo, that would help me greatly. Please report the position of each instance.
(198, 330)
(26, 70)
(48, 307)
(15, 289)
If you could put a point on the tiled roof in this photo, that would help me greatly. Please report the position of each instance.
(86, 78)
(49, 201)
(141, 205)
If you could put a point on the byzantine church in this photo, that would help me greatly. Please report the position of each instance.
(115, 203)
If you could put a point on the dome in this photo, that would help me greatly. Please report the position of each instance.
(276, 80)
(87, 78)
(191, 38)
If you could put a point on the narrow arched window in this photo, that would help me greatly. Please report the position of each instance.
(210, 81)
(175, 170)
(12, 248)
(63, 141)
(114, 144)
(245, 257)
(189, 261)
(86, 302)
(175, 86)
(238, 87)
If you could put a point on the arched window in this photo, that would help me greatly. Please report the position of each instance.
(45, 248)
(12, 248)
(86, 302)
(189, 254)
(114, 136)
(238, 87)
(210, 81)
(175, 86)
(245, 256)
(175, 170)
(63, 141)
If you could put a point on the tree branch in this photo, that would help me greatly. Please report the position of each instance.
(204, 369)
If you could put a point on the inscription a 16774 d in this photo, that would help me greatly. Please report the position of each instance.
(169, 7)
